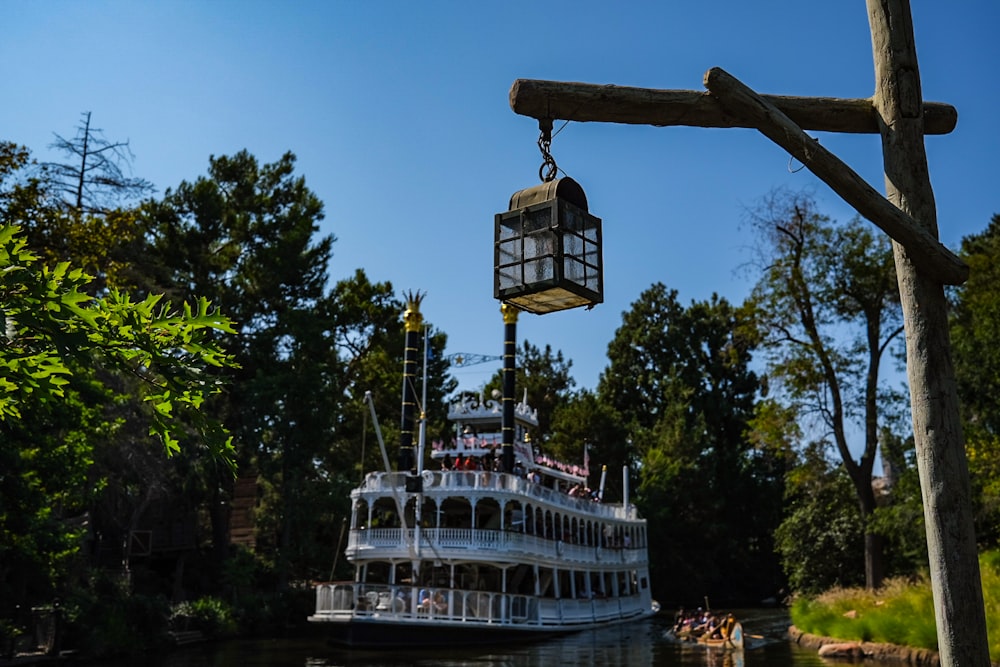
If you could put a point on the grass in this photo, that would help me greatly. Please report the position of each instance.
(901, 612)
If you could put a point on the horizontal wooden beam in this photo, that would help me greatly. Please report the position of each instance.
(927, 253)
(646, 106)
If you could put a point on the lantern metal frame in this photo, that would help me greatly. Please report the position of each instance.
(548, 250)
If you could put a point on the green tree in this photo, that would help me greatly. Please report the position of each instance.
(545, 375)
(583, 420)
(62, 355)
(828, 308)
(821, 540)
(244, 234)
(681, 382)
(247, 234)
(975, 328)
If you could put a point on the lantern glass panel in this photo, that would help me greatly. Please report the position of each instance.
(539, 270)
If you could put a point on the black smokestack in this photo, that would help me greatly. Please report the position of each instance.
(413, 322)
(507, 401)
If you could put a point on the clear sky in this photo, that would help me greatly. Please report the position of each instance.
(398, 113)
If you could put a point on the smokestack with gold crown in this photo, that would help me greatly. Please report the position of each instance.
(413, 322)
(507, 401)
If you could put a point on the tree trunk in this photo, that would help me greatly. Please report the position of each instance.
(944, 476)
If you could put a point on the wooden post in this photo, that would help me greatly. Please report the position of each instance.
(937, 428)
(922, 264)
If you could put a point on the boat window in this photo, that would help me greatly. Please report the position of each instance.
(404, 573)
(580, 583)
(438, 576)
(456, 513)
(376, 572)
(360, 514)
(565, 584)
(546, 582)
(488, 514)
(623, 584)
(521, 580)
(384, 514)
(514, 517)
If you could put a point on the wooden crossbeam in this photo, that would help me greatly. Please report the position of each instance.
(729, 103)
(927, 252)
(647, 106)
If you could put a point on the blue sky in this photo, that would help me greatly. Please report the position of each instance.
(398, 113)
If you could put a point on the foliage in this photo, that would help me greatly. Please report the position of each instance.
(584, 421)
(975, 328)
(680, 381)
(545, 376)
(105, 618)
(209, 615)
(901, 612)
(821, 539)
(48, 319)
(827, 307)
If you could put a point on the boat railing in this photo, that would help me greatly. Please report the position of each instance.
(416, 603)
(475, 539)
(483, 480)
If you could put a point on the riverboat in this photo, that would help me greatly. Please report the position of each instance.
(495, 543)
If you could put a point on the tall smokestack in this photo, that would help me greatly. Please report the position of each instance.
(507, 402)
(413, 322)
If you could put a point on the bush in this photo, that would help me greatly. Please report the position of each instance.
(104, 619)
(211, 616)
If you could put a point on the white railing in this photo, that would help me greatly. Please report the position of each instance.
(441, 541)
(495, 482)
(345, 600)
(412, 603)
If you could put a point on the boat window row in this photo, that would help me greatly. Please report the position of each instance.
(491, 514)
(521, 579)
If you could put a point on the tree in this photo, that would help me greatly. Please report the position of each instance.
(975, 328)
(244, 234)
(821, 540)
(95, 181)
(681, 382)
(545, 375)
(828, 307)
(584, 420)
(247, 234)
(62, 354)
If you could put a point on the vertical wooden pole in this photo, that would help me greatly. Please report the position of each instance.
(944, 475)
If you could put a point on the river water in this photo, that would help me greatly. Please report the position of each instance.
(641, 644)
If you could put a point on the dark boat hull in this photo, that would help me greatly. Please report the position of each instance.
(358, 633)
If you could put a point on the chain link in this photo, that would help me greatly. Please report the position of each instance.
(547, 172)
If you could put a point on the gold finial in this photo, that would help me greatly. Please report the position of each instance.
(412, 318)
(509, 313)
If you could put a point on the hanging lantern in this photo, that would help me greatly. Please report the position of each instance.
(547, 250)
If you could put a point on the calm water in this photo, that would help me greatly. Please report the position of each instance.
(637, 644)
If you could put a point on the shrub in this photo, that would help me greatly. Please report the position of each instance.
(211, 616)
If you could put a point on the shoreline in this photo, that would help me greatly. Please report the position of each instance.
(840, 648)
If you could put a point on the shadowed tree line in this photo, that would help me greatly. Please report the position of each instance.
(751, 431)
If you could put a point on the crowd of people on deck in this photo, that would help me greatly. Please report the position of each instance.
(491, 462)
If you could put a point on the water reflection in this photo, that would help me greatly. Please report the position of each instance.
(633, 645)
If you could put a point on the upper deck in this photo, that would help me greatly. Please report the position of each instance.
(498, 485)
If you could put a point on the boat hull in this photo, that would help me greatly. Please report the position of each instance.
(362, 633)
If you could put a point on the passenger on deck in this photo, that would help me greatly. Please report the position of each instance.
(440, 603)
(446, 463)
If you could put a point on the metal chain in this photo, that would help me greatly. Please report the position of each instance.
(547, 172)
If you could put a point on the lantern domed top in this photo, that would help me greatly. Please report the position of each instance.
(562, 188)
